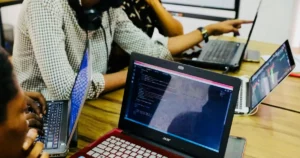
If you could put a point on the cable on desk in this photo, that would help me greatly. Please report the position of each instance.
(282, 108)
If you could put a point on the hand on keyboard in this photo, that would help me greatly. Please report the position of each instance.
(32, 149)
(37, 103)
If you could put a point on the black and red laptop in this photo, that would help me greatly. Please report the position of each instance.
(170, 110)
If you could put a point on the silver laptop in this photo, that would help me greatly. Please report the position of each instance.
(265, 79)
(62, 116)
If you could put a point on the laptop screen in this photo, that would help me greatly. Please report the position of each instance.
(79, 91)
(187, 107)
(274, 70)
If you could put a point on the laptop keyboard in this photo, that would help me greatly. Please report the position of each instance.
(221, 52)
(115, 147)
(240, 98)
(52, 122)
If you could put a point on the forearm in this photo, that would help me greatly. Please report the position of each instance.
(178, 44)
(170, 26)
(115, 80)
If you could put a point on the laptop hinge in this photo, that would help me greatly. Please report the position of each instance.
(248, 96)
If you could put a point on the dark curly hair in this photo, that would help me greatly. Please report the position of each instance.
(8, 88)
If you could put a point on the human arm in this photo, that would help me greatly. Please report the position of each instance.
(170, 26)
(57, 64)
(178, 44)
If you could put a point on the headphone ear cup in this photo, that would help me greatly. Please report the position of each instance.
(89, 20)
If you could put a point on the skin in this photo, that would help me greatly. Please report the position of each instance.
(171, 27)
(15, 139)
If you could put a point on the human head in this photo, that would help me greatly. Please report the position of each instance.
(13, 126)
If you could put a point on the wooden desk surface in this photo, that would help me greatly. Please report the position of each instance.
(271, 133)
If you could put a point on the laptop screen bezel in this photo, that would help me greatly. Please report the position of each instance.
(292, 62)
(175, 143)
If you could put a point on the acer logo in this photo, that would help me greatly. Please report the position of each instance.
(166, 139)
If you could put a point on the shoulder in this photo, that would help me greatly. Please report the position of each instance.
(55, 6)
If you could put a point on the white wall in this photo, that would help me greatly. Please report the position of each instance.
(10, 14)
(274, 24)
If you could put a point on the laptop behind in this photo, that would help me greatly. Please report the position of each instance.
(265, 79)
(222, 55)
(170, 110)
(62, 116)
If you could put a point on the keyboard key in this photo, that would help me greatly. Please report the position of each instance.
(135, 149)
(91, 152)
(139, 156)
(119, 153)
(118, 143)
(49, 145)
(148, 151)
(143, 149)
(152, 156)
(113, 141)
(124, 145)
(158, 155)
(111, 156)
(111, 145)
(153, 153)
(127, 152)
(105, 143)
(122, 149)
(124, 156)
(96, 155)
(101, 146)
(133, 154)
(98, 150)
(137, 146)
(108, 149)
(129, 147)
(141, 152)
(113, 151)
(146, 154)
(117, 147)
(106, 153)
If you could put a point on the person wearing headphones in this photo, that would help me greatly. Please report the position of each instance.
(52, 35)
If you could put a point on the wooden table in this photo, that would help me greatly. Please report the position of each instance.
(271, 133)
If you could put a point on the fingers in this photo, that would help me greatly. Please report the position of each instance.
(40, 98)
(239, 22)
(33, 120)
(37, 150)
(45, 155)
(34, 106)
(30, 138)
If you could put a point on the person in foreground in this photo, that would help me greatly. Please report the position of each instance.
(16, 137)
(49, 46)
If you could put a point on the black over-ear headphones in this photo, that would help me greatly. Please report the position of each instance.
(89, 19)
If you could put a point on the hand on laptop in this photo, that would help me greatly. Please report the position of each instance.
(32, 149)
(32, 97)
(226, 27)
(38, 109)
